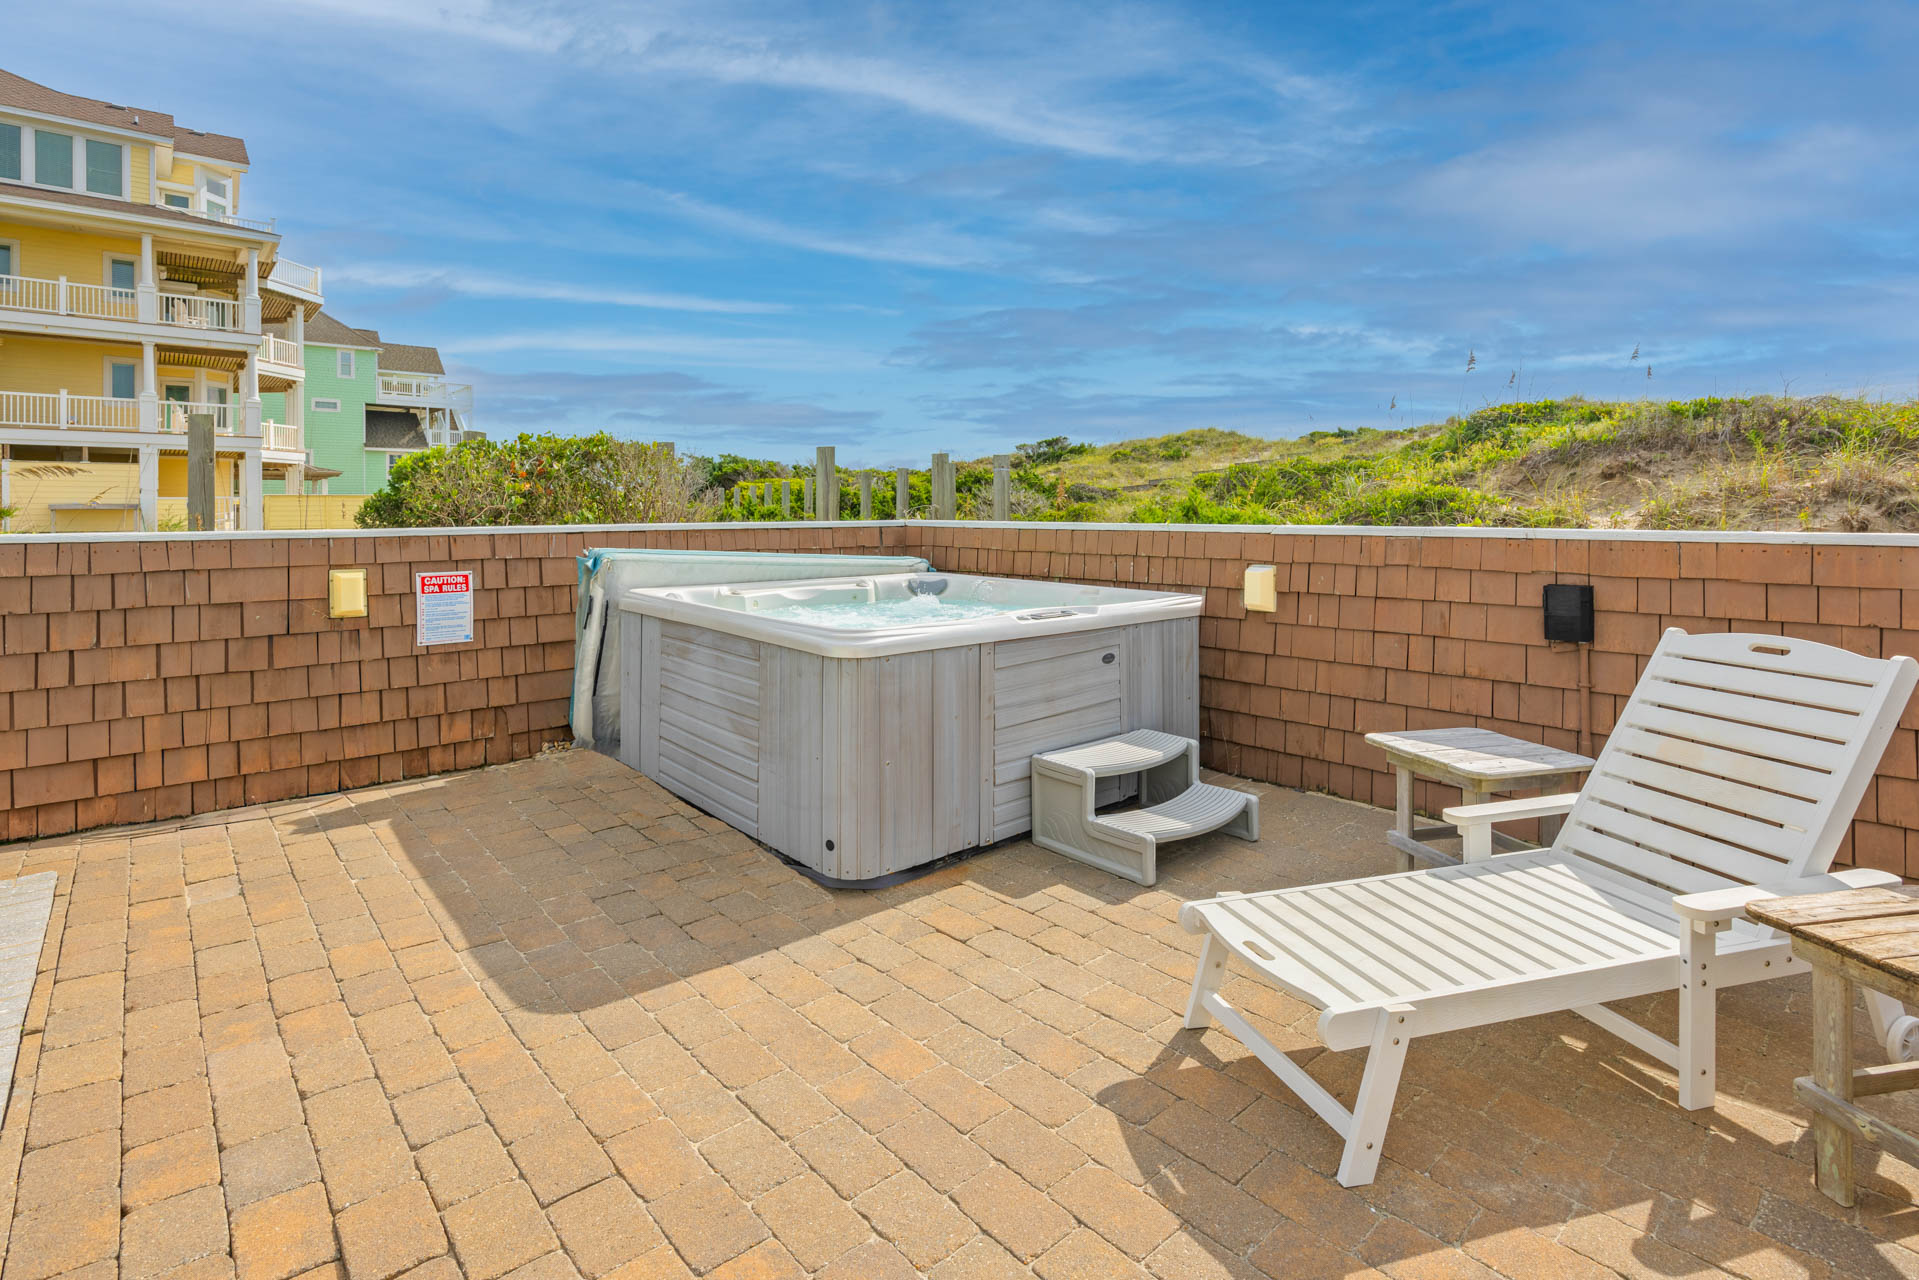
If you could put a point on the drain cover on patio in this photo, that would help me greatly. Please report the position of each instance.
(25, 905)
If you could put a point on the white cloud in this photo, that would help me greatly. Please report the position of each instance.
(1073, 82)
(1640, 181)
(480, 284)
(925, 246)
(767, 353)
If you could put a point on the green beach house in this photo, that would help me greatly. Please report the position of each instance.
(367, 402)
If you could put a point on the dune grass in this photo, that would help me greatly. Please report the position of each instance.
(1761, 462)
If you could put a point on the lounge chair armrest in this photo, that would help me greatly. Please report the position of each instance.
(1471, 815)
(1475, 821)
(1719, 906)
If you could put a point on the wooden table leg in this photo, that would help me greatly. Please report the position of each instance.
(1832, 1071)
(1403, 811)
(1549, 827)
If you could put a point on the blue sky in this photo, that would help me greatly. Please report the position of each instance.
(907, 227)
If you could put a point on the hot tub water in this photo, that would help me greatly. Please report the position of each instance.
(872, 615)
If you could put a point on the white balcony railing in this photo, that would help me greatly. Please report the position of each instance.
(282, 436)
(281, 352)
(193, 311)
(29, 294)
(235, 220)
(100, 301)
(295, 275)
(425, 391)
(174, 415)
(57, 409)
(64, 297)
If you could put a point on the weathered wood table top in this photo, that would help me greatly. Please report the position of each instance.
(1479, 755)
(1480, 763)
(1875, 929)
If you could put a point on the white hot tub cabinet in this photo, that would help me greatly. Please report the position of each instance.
(858, 753)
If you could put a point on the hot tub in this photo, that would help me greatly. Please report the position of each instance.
(866, 725)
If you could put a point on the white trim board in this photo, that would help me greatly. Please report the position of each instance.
(1898, 540)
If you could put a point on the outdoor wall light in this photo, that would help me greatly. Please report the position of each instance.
(1262, 588)
(346, 593)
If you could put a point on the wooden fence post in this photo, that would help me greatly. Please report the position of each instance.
(866, 495)
(200, 464)
(826, 484)
(786, 497)
(806, 498)
(1002, 486)
(902, 493)
(943, 485)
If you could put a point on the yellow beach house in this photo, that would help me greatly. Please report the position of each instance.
(136, 290)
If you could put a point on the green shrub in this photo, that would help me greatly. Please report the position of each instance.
(1050, 450)
(540, 479)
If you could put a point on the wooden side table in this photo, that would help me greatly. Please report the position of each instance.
(1480, 763)
(1857, 937)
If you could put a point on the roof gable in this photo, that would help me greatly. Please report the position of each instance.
(325, 331)
(27, 95)
(399, 357)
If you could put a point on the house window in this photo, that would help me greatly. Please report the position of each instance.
(123, 376)
(9, 262)
(345, 363)
(215, 190)
(10, 151)
(103, 168)
(326, 406)
(120, 274)
(177, 200)
(52, 158)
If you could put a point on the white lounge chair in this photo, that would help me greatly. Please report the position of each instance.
(1732, 775)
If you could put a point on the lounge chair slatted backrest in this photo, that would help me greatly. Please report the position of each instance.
(1731, 763)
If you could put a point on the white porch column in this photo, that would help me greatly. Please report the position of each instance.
(149, 488)
(297, 331)
(250, 395)
(251, 298)
(252, 490)
(149, 389)
(146, 285)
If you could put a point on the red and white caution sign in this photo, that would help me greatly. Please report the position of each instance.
(443, 607)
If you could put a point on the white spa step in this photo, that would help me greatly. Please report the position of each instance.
(1133, 752)
(1200, 808)
(1177, 805)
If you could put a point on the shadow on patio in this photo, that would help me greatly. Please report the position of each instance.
(1020, 1012)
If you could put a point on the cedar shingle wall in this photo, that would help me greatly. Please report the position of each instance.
(1407, 632)
(151, 679)
(154, 679)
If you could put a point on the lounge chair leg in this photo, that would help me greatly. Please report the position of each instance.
(1211, 972)
(1373, 1110)
(1698, 996)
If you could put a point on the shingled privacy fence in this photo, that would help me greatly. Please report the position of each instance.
(151, 677)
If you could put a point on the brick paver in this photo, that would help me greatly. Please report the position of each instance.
(544, 1020)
